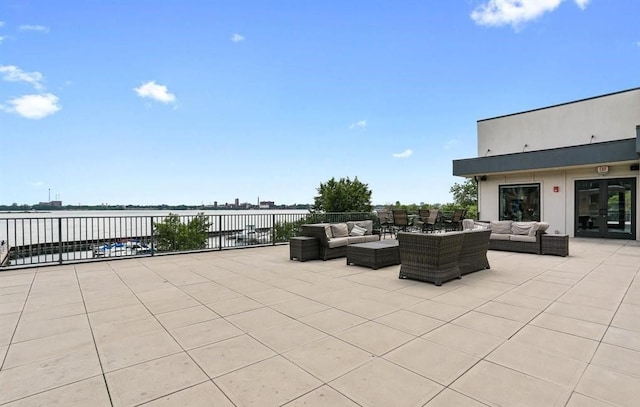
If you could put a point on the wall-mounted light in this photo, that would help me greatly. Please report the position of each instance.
(525, 146)
(603, 169)
(488, 150)
(592, 137)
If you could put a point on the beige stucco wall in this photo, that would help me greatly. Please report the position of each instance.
(607, 118)
(557, 207)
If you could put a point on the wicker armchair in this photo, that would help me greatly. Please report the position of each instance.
(473, 255)
(430, 257)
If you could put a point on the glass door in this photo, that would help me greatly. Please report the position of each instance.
(606, 208)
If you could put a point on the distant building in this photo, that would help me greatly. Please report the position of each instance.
(51, 203)
(266, 204)
(237, 202)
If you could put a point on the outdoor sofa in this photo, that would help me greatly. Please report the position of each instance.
(333, 238)
(439, 257)
(506, 235)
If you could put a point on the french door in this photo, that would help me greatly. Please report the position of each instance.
(606, 208)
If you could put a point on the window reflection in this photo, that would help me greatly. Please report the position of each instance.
(520, 202)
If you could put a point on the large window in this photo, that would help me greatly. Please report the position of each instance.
(520, 202)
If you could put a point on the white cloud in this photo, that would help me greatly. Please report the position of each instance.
(11, 73)
(1, 23)
(516, 12)
(237, 37)
(406, 153)
(36, 184)
(40, 28)
(34, 106)
(361, 124)
(156, 92)
(2, 38)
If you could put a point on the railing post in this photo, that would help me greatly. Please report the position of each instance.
(60, 240)
(220, 232)
(273, 229)
(153, 246)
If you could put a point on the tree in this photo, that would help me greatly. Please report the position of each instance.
(465, 194)
(343, 196)
(173, 235)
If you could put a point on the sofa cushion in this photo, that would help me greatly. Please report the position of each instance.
(357, 239)
(338, 242)
(499, 236)
(371, 238)
(501, 226)
(365, 224)
(523, 238)
(357, 231)
(543, 226)
(522, 228)
(327, 230)
(339, 230)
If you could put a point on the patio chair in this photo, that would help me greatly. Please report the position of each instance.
(386, 222)
(429, 220)
(455, 222)
(400, 219)
(430, 257)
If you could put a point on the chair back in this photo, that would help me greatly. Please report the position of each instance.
(400, 217)
(423, 214)
(458, 215)
(433, 216)
(384, 216)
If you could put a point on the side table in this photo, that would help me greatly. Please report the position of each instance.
(557, 245)
(304, 248)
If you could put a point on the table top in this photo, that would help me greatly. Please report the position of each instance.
(381, 244)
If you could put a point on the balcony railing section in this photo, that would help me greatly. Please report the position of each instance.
(34, 241)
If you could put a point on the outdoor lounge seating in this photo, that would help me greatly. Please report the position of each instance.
(455, 222)
(333, 238)
(428, 219)
(439, 257)
(506, 235)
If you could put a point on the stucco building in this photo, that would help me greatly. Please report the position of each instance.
(574, 165)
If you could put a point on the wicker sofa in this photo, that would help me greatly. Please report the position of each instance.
(333, 238)
(506, 235)
(439, 257)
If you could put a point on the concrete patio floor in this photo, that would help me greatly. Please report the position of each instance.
(251, 328)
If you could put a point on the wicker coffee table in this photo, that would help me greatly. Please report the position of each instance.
(557, 245)
(374, 254)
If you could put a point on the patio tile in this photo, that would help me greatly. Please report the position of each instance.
(258, 319)
(410, 322)
(299, 307)
(580, 400)
(60, 370)
(91, 391)
(322, 396)
(464, 339)
(186, 316)
(43, 349)
(131, 350)
(382, 383)
(8, 324)
(332, 320)
(497, 385)
(209, 292)
(627, 317)
(204, 333)
(460, 298)
(570, 346)
(120, 315)
(582, 300)
(438, 310)
(288, 336)
(538, 362)
(231, 354)
(43, 328)
(448, 398)
(166, 299)
(572, 326)
(437, 362)
(280, 382)
(617, 358)
(147, 381)
(234, 306)
(508, 311)
(328, 358)
(585, 313)
(366, 308)
(524, 301)
(610, 386)
(272, 296)
(488, 324)
(204, 394)
(622, 337)
(374, 337)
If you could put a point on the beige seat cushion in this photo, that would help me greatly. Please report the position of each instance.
(338, 242)
(339, 230)
(501, 226)
(523, 238)
(499, 236)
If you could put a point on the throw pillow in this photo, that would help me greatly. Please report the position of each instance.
(521, 228)
(327, 231)
(357, 231)
(339, 230)
(501, 226)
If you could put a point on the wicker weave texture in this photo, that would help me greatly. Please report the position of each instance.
(374, 254)
(303, 248)
(557, 245)
(473, 254)
(430, 257)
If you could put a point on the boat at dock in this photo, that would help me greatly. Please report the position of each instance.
(128, 248)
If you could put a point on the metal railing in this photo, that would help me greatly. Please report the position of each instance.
(34, 241)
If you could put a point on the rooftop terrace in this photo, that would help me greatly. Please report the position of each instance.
(250, 327)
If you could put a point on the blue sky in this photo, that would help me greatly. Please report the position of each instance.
(158, 101)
